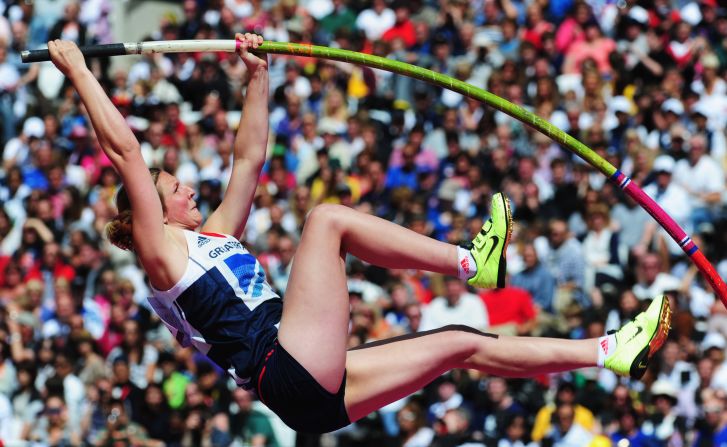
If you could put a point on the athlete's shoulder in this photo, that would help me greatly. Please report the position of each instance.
(166, 265)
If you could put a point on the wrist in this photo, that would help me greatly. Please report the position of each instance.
(76, 74)
(258, 70)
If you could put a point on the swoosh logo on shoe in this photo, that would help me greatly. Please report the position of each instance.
(642, 365)
(496, 242)
(639, 329)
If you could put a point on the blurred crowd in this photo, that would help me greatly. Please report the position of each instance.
(84, 362)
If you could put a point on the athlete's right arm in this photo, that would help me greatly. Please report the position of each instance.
(122, 148)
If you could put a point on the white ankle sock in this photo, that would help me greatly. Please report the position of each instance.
(466, 266)
(606, 348)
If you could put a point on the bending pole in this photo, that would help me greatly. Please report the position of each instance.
(402, 68)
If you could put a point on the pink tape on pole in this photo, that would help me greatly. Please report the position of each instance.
(675, 231)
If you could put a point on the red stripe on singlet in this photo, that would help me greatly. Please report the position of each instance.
(259, 382)
(212, 234)
(260, 377)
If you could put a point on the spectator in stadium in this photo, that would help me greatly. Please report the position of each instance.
(52, 427)
(510, 310)
(456, 305)
(536, 279)
(653, 277)
(666, 425)
(703, 179)
(249, 425)
(562, 255)
(565, 431)
(564, 395)
(121, 429)
(457, 429)
(713, 427)
(26, 400)
(141, 356)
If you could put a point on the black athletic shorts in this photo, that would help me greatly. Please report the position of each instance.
(288, 389)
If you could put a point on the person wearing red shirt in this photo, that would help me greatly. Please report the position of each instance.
(595, 46)
(510, 309)
(52, 263)
(536, 26)
(175, 130)
(403, 27)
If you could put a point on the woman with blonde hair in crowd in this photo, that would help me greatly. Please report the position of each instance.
(335, 108)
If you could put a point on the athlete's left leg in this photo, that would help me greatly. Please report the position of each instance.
(385, 371)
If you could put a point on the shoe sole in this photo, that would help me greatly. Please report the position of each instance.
(662, 330)
(655, 343)
(502, 266)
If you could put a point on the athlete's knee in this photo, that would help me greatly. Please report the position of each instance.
(472, 343)
(462, 341)
(327, 215)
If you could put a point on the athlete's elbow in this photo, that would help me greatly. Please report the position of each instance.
(125, 149)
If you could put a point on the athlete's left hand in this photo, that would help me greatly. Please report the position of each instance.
(249, 41)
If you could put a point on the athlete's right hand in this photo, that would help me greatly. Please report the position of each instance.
(250, 41)
(66, 56)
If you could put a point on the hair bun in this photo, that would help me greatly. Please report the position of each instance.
(118, 231)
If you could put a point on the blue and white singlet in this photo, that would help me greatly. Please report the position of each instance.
(223, 306)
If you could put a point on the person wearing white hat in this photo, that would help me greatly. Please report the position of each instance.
(17, 149)
(672, 111)
(673, 105)
(639, 15)
(672, 197)
(691, 14)
(709, 83)
(664, 424)
(713, 347)
(712, 90)
(634, 44)
(713, 340)
(620, 104)
(618, 125)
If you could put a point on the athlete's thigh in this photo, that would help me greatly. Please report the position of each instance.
(385, 371)
(314, 325)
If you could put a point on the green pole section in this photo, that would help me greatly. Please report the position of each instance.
(447, 82)
(517, 112)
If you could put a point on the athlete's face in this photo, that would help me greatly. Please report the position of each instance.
(180, 207)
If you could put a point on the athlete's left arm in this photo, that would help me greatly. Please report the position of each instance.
(251, 144)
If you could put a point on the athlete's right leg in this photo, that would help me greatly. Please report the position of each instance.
(314, 325)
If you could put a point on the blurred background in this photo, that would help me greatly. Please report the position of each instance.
(84, 362)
